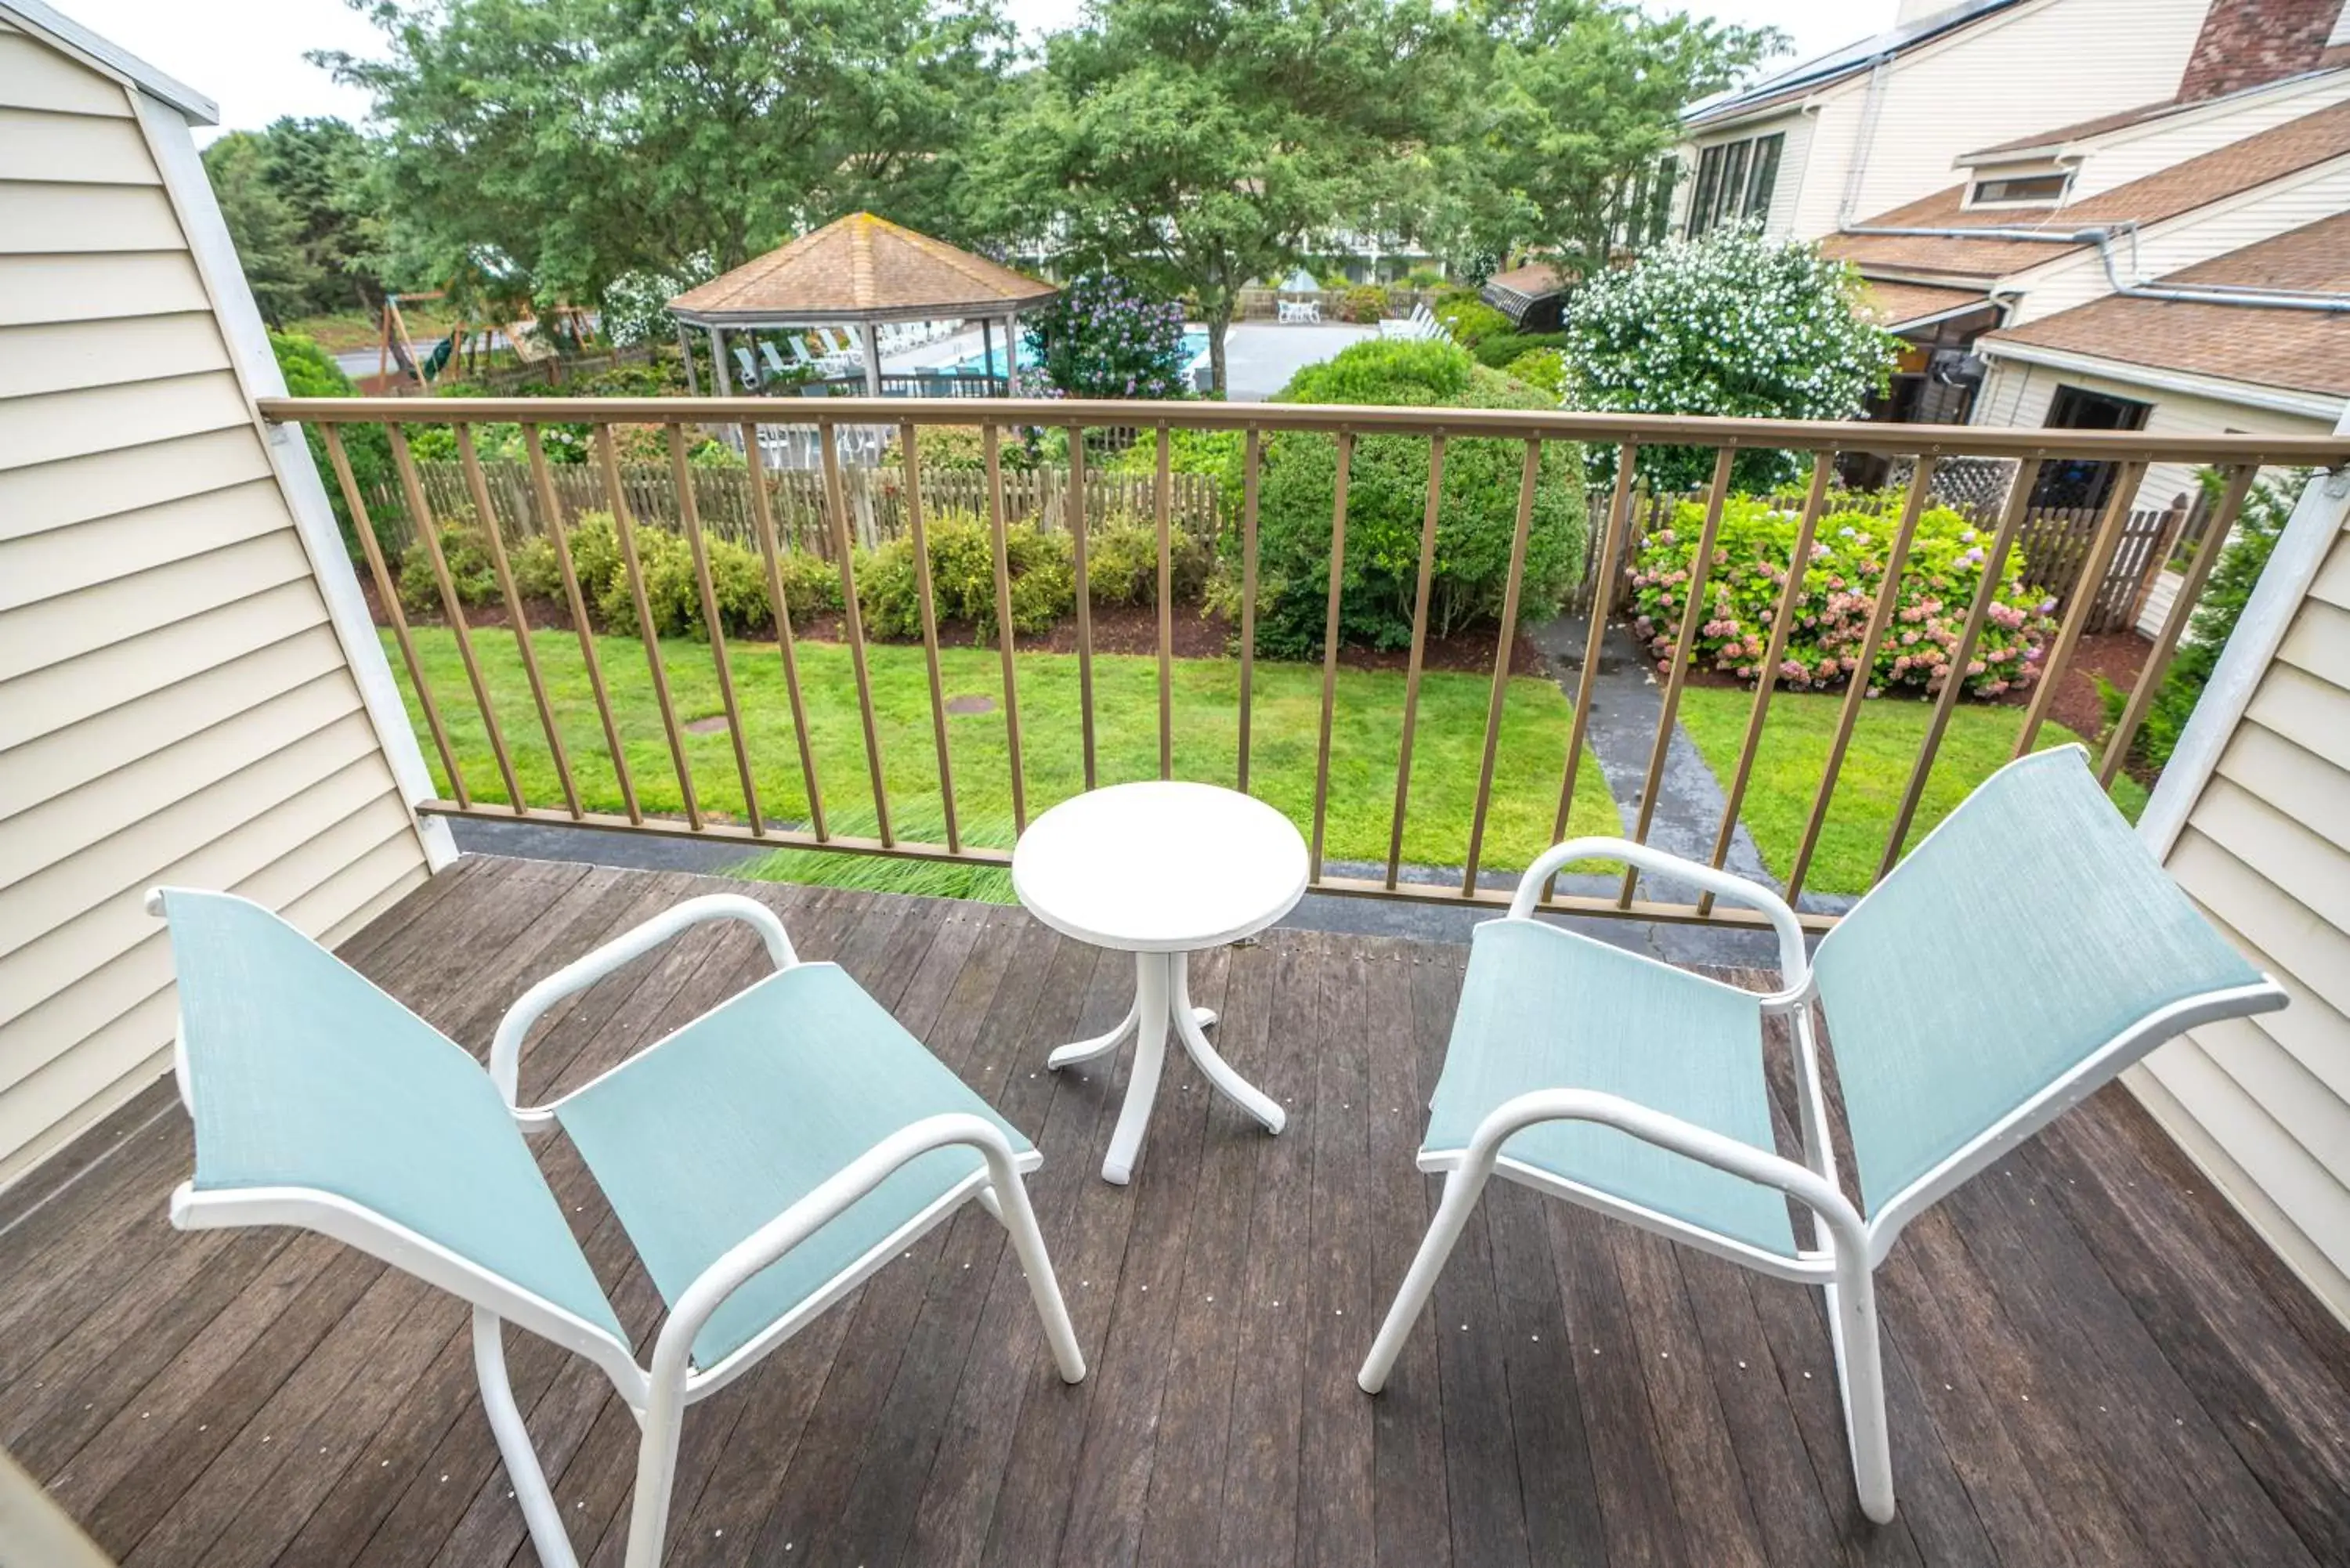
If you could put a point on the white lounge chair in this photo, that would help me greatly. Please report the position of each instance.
(1611, 1080)
(763, 1159)
(747, 367)
(772, 361)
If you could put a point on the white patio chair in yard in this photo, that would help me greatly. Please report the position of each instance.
(1604, 1077)
(763, 1159)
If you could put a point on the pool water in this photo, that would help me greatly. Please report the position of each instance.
(1195, 353)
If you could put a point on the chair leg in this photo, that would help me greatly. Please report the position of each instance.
(539, 1513)
(1011, 1206)
(1860, 1374)
(1461, 1190)
(660, 1422)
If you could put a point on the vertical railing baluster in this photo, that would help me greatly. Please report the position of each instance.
(388, 589)
(624, 532)
(1863, 670)
(918, 528)
(1252, 456)
(2085, 592)
(478, 486)
(1613, 536)
(2011, 520)
(544, 484)
(1419, 651)
(1080, 531)
(1798, 562)
(430, 532)
(763, 519)
(1684, 651)
(688, 511)
(853, 619)
(2182, 610)
(1502, 647)
(1330, 647)
(1166, 618)
(990, 438)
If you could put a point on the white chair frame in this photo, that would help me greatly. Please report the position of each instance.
(658, 1391)
(1847, 1247)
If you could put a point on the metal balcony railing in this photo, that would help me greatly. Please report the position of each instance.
(740, 419)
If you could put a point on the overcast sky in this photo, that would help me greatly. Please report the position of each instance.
(247, 55)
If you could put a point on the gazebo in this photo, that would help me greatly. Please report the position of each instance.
(859, 272)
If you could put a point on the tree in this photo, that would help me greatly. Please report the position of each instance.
(267, 236)
(1731, 324)
(1578, 104)
(1099, 339)
(567, 142)
(1192, 145)
(324, 171)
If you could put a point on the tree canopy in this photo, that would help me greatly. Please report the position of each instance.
(567, 142)
(1194, 145)
(299, 200)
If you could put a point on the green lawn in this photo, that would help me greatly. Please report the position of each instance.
(1364, 741)
(1885, 745)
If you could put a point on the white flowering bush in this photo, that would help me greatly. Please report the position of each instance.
(1838, 593)
(636, 303)
(1731, 324)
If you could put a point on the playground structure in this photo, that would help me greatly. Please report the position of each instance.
(471, 338)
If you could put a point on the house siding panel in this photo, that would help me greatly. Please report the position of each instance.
(174, 700)
(2265, 1104)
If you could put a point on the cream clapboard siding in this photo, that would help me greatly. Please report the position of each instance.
(2016, 392)
(175, 704)
(2215, 229)
(2263, 1103)
(2124, 156)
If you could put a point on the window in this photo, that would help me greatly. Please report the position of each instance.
(1735, 181)
(2042, 190)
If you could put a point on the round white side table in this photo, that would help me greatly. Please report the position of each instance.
(1161, 870)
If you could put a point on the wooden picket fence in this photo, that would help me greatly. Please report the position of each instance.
(874, 498)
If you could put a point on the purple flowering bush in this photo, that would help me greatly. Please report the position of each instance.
(1836, 597)
(1100, 337)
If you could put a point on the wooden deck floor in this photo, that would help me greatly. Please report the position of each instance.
(2092, 1360)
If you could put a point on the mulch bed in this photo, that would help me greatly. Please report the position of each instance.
(1118, 628)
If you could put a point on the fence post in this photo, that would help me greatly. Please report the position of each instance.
(2174, 523)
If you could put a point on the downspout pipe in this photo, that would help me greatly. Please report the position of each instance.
(2103, 238)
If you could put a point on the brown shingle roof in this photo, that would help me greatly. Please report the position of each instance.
(2299, 349)
(1894, 305)
(860, 268)
(2239, 166)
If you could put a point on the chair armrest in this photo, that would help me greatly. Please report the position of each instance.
(1795, 966)
(505, 1045)
(673, 1350)
(1800, 1182)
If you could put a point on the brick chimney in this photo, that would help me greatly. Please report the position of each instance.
(2247, 42)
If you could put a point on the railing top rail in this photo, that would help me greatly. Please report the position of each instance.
(1646, 430)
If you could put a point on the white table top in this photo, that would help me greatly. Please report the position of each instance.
(1159, 866)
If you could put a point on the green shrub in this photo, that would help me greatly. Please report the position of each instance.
(1424, 275)
(537, 574)
(311, 372)
(1188, 451)
(963, 579)
(2245, 556)
(1122, 562)
(470, 572)
(1838, 595)
(1544, 369)
(738, 580)
(1470, 320)
(1365, 304)
(1386, 500)
(811, 584)
(1497, 352)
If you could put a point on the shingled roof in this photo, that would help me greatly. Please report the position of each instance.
(2239, 166)
(860, 268)
(2303, 350)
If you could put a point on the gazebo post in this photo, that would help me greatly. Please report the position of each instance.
(685, 348)
(872, 336)
(718, 361)
(987, 349)
(1011, 354)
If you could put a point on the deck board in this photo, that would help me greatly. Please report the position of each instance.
(2090, 1357)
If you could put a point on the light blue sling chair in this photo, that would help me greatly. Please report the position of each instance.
(763, 1159)
(1614, 1081)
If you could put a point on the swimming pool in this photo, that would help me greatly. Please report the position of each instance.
(1195, 354)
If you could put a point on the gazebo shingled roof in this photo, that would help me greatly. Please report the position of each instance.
(860, 268)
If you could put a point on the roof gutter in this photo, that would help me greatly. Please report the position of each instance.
(2102, 237)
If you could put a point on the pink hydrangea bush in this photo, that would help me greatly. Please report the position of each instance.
(1838, 593)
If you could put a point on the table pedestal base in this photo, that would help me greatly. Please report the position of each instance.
(1162, 999)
